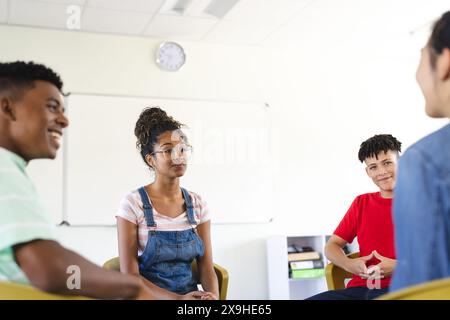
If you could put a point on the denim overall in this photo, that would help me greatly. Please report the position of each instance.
(167, 257)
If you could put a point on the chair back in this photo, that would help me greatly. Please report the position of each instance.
(433, 290)
(336, 276)
(16, 291)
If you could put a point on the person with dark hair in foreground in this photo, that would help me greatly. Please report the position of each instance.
(422, 196)
(369, 218)
(32, 122)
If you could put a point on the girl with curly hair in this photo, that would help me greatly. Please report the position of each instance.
(162, 227)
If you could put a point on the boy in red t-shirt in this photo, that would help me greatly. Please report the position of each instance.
(369, 218)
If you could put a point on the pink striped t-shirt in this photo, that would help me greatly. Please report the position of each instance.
(131, 209)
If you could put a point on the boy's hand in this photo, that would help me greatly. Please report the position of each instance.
(358, 265)
(196, 295)
(373, 272)
(209, 296)
(386, 265)
(384, 269)
(145, 293)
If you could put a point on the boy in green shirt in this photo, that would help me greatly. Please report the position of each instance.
(31, 126)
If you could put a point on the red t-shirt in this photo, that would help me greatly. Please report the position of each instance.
(370, 220)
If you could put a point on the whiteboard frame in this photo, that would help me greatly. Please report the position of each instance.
(65, 219)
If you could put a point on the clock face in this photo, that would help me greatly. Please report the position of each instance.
(170, 56)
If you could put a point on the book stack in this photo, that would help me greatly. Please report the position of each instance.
(305, 263)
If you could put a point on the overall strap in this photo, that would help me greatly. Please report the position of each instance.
(148, 209)
(189, 207)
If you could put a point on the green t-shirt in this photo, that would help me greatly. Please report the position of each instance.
(22, 216)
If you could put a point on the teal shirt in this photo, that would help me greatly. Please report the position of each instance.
(22, 216)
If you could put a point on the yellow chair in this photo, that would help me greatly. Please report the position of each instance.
(336, 276)
(433, 290)
(16, 291)
(221, 273)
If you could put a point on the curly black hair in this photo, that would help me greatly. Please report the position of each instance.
(440, 37)
(18, 75)
(374, 145)
(151, 124)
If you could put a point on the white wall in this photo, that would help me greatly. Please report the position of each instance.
(327, 100)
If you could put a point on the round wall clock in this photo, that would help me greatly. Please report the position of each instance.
(170, 56)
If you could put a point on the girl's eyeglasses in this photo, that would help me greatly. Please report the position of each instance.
(180, 150)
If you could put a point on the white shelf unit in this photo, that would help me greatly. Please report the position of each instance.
(281, 287)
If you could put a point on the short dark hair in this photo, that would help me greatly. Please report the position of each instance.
(19, 75)
(374, 145)
(151, 124)
(440, 37)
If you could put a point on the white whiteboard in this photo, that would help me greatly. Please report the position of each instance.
(231, 168)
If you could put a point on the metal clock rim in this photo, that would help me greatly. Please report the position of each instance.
(161, 45)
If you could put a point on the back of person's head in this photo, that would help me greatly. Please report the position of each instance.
(378, 143)
(16, 77)
(440, 37)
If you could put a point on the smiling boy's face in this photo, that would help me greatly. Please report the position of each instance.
(37, 122)
(382, 170)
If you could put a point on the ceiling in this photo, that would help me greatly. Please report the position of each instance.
(247, 22)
